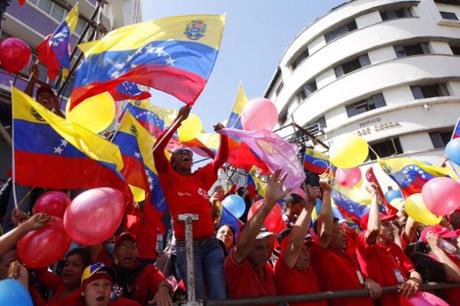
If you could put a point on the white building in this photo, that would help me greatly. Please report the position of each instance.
(388, 70)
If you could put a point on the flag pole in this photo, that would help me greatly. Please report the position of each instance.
(13, 169)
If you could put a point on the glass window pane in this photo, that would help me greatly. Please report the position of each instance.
(45, 5)
(58, 12)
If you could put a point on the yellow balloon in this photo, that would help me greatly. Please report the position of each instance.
(190, 128)
(359, 195)
(415, 208)
(348, 151)
(397, 203)
(95, 113)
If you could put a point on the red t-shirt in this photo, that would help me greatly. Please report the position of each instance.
(189, 193)
(243, 280)
(336, 270)
(452, 296)
(117, 302)
(146, 230)
(294, 281)
(384, 263)
(54, 283)
(145, 285)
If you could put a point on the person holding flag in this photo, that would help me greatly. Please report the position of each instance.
(186, 192)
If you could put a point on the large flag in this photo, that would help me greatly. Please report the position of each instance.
(350, 210)
(54, 50)
(133, 170)
(411, 175)
(234, 120)
(137, 144)
(129, 90)
(254, 180)
(456, 132)
(174, 54)
(276, 152)
(315, 161)
(52, 152)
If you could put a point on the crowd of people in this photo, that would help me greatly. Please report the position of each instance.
(309, 255)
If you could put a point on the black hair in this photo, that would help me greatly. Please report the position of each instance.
(231, 228)
(293, 198)
(83, 253)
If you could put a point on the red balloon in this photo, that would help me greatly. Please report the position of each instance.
(94, 215)
(441, 195)
(53, 203)
(44, 246)
(274, 220)
(14, 54)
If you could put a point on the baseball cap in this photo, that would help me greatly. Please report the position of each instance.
(125, 235)
(439, 230)
(383, 217)
(295, 195)
(96, 271)
(264, 233)
(182, 150)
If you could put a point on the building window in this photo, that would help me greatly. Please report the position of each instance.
(340, 31)
(316, 126)
(307, 89)
(299, 58)
(278, 89)
(282, 117)
(51, 9)
(455, 48)
(429, 91)
(366, 105)
(449, 15)
(385, 148)
(395, 14)
(452, 2)
(415, 49)
(440, 139)
(352, 65)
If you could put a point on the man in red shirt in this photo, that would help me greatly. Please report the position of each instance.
(293, 271)
(187, 192)
(140, 282)
(247, 271)
(381, 259)
(335, 268)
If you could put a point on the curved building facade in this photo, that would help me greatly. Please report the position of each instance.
(388, 70)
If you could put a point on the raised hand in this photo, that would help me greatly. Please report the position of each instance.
(274, 190)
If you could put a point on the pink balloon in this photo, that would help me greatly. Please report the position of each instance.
(14, 54)
(44, 246)
(348, 176)
(274, 220)
(53, 203)
(259, 113)
(422, 298)
(441, 195)
(94, 215)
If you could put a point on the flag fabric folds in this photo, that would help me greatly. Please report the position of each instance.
(52, 152)
(54, 50)
(136, 144)
(129, 90)
(349, 209)
(174, 54)
(315, 161)
(411, 175)
(276, 152)
(234, 120)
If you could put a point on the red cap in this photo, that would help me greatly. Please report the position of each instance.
(125, 235)
(383, 217)
(439, 230)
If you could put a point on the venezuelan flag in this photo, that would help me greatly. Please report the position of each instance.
(53, 51)
(174, 54)
(129, 90)
(348, 208)
(133, 170)
(52, 152)
(145, 143)
(315, 161)
(150, 120)
(234, 120)
(411, 174)
(456, 132)
(254, 180)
